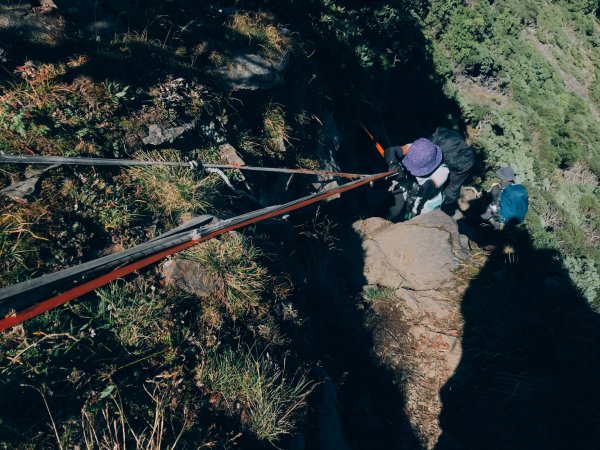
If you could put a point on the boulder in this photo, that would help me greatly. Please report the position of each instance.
(418, 255)
(30, 184)
(190, 276)
(158, 136)
(230, 155)
(417, 330)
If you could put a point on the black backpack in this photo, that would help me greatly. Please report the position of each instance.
(458, 156)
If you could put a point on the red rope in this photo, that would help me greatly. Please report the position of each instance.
(91, 285)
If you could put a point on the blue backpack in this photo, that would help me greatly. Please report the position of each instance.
(514, 203)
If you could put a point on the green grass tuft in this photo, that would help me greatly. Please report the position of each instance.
(233, 260)
(270, 401)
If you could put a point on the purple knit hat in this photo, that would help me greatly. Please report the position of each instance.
(423, 157)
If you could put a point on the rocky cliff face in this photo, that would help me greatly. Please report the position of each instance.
(417, 326)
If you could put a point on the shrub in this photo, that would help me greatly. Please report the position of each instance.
(584, 274)
(468, 39)
(376, 293)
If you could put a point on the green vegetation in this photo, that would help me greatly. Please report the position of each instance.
(233, 261)
(171, 191)
(142, 364)
(525, 76)
(138, 363)
(261, 30)
(134, 312)
(376, 293)
(276, 131)
(40, 111)
(18, 243)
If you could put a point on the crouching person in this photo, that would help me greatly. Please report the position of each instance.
(509, 202)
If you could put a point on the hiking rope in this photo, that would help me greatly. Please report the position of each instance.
(31, 298)
(82, 161)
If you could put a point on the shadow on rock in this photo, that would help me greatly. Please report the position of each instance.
(329, 280)
(528, 376)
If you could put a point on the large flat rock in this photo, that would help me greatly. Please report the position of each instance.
(417, 255)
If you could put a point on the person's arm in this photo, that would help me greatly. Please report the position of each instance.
(433, 185)
(440, 176)
(428, 190)
(495, 192)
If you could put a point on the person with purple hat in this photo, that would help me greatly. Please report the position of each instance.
(444, 146)
(459, 157)
(423, 160)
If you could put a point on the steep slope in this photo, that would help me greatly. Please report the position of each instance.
(526, 75)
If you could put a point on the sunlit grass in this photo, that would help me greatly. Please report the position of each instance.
(172, 191)
(259, 29)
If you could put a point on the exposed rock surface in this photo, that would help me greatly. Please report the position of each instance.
(26, 187)
(191, 276)
(251, 72)
(418, 255)
(158, 136)
(230, 155)
(418, 326)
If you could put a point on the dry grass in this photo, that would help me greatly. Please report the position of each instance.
(579, 173)
(276, 130)
(468, 271)
(17, 240)
(259, 29)
(308, 162)
(109, 428)
(172, 191)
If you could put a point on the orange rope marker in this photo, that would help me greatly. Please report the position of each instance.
(377, 144)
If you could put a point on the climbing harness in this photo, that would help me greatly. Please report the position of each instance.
(81, 161)
(36, 296)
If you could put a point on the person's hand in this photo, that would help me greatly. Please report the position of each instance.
(394, 165)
